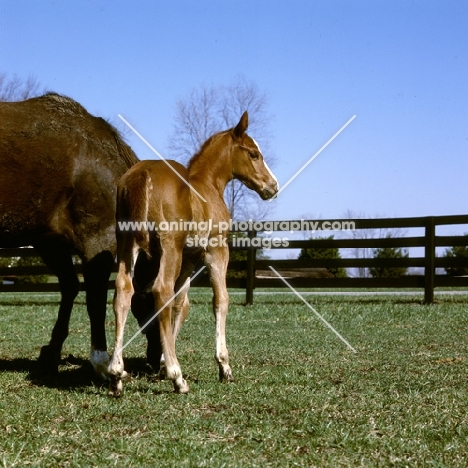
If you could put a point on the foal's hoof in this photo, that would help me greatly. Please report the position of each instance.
(181, 387)
(115, 386)
(225, 375)
(48, 361)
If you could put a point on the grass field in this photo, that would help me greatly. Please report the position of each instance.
(301, 398)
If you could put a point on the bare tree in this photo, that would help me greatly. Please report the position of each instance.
(207, 110)
(361, 252)
(17, 89)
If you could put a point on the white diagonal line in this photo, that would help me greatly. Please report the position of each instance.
(314, 156)
(159, 311)
(158, 155)
(313, 310)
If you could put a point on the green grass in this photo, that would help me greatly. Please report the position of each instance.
(301, 398)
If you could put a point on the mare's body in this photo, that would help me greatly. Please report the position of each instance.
(59, 168)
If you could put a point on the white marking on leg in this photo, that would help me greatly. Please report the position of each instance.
(162, 368)
(100, 362)
(222, 354)
(174, 373)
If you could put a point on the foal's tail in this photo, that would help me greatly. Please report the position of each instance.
(132, 207)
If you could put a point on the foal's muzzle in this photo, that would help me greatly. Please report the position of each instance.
(269, 192)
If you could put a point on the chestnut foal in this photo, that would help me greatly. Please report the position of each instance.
(152, 192)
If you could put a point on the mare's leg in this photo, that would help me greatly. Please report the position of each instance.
(181, 309)
(163, 291)
(122, 302)
(96, 275)
(216, 259)
(58, 258)
(143, 308)
(154, 354)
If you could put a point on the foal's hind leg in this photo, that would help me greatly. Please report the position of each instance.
(122, 301)
(163, 291)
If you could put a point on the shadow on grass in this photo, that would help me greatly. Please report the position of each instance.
(16, 365)
(42, 302)
(73, 373)
(77, 374)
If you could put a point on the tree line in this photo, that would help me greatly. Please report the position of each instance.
(314, 253)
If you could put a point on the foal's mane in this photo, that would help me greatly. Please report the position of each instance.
(211, 140)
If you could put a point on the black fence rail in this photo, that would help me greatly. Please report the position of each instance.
(297, 272)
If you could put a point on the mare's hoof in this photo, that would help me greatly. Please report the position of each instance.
(162, 374)
(48, 361)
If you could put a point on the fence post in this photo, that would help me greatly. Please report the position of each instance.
(251, 254)
(429, 268)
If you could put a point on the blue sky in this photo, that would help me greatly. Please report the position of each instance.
(400, 66)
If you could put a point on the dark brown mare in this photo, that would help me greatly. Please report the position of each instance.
(59, 168)
(151, 192)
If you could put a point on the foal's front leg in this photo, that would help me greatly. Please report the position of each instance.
(216, 259)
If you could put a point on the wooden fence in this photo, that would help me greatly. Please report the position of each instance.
(427, 241)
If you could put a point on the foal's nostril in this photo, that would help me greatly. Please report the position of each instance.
(270, 192)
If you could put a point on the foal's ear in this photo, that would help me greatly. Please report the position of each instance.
(241, 127)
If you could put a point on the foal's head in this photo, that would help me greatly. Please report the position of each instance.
(248, 164)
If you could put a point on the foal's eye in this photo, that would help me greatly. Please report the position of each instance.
(253, 155)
